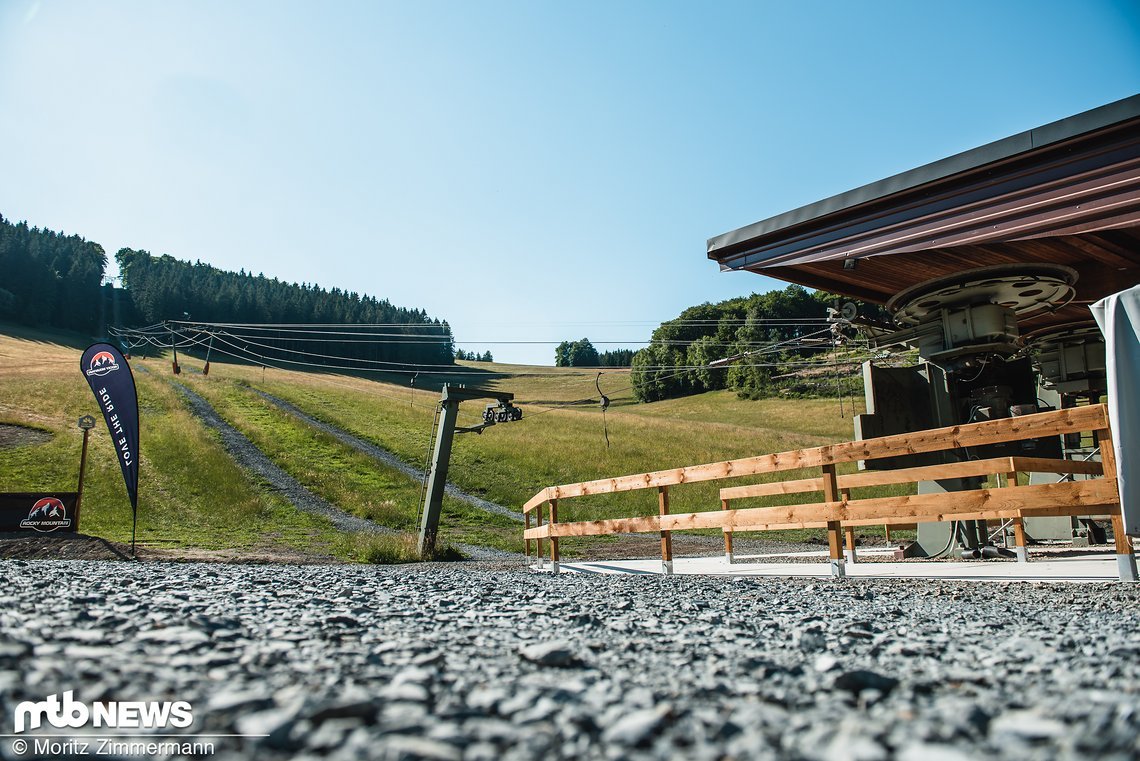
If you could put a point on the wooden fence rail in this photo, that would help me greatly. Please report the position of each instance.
(838, 511)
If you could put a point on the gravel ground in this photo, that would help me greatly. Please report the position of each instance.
(387, 458)
(470, 661)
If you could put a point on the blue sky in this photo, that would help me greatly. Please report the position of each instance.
(526, 170)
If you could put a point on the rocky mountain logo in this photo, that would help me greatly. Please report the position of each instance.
(47, 514)
(102, 363)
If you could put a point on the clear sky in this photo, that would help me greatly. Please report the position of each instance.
(525, 170)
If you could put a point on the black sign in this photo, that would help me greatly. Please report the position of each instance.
(110, 378)
(56, 512)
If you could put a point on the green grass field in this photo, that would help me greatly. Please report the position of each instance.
(556, 444)
(192, 495)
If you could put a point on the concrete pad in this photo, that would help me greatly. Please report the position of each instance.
(1090, 567)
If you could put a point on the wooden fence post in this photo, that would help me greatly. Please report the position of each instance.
(538, 541)
(1019, 544)
(526, 542)
(848, 534)
(727, 536)
(1125, 554)
(834, 540)
(553, 538)
(666, 536)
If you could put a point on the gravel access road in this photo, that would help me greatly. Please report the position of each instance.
(486, 662)
(251, 459)
(387, 458)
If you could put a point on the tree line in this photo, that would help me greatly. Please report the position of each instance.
(744, 331)
(581, 353)
(55, 280)
(50, 279)
(472, 356)
(162, 287)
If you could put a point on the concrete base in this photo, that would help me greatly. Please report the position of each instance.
(667, 567)
(849, 556)
(728, 558)
(1022, 554)
(554, 567)
(1126, 564)
(1101, 566)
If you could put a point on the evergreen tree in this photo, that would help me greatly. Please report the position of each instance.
(163, 288)
(616, 358)
(50, 279)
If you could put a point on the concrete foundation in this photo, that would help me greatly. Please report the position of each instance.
(1096, 566)
(1126, 564)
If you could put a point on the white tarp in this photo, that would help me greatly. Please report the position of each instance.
(1119, 318)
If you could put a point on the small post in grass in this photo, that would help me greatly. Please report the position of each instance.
(86, 423)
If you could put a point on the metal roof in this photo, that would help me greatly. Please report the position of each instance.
(1067, 193)
(1125, 110)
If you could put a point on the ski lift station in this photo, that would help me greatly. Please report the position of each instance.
(1002, 269)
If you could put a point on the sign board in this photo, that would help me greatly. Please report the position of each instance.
(50, 512)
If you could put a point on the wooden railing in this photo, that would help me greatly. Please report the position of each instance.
(839, 511)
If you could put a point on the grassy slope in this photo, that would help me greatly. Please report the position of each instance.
(340, 474)
(506, 464)
(509, 463)
(190, 493)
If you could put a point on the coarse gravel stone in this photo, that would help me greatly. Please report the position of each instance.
(484, 661)
(559, 653)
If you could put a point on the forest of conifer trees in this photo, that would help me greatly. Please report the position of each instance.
(55, 280)
(50, 279)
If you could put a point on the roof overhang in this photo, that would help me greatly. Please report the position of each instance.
(1066, 193)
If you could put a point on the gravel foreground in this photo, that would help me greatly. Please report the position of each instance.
(485, 661)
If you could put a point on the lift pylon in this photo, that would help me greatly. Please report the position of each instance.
(441, 455)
